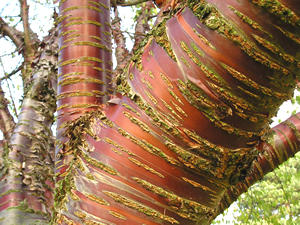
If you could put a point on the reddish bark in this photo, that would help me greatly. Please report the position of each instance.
(187, 125)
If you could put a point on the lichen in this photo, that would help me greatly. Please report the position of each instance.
(183, 207)
(249, 21)
(278, 9)
(140, 207)
(146, 167)
(213, 19)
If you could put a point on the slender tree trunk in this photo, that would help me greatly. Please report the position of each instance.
(27, 172)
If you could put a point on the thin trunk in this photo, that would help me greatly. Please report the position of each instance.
(27, 176)
(192, 107)
(121, 52)
(6, 120)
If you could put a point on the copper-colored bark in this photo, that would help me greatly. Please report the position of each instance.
(193, 106)
(85, 57)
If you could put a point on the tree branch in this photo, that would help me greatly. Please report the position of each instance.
(29, 51)
(27, 39)
(121, 53)
(142, 25)
(6, 120)
(11, 32)
(282, 143)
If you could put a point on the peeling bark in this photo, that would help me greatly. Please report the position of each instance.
(27, 178)
(281, 143)
(85, 63)
(189, 123)
(15, 35)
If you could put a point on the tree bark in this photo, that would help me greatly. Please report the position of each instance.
(27, 174)
(187, 125)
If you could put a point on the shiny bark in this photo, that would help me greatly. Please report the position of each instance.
(189, 127)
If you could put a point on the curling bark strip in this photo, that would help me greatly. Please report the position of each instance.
(187, 124)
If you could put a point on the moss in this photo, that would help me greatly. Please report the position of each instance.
(166, 80)
(92, 44)
(74, 133)
(23, 206)
(140, 207)
(274, 49)
(278, 9)
(160, 35)
(185, 208)
(146, 167)
(249, 21)
(117, 215)
(137, 122)
(213, 19)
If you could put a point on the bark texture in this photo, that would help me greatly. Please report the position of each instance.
(85, 64)
(27, 169)
(188, 130)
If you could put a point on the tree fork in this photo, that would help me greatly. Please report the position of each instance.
(193, 105)
(282, 143)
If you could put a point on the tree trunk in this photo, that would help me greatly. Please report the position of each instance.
(27, 166)
(188, 130)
